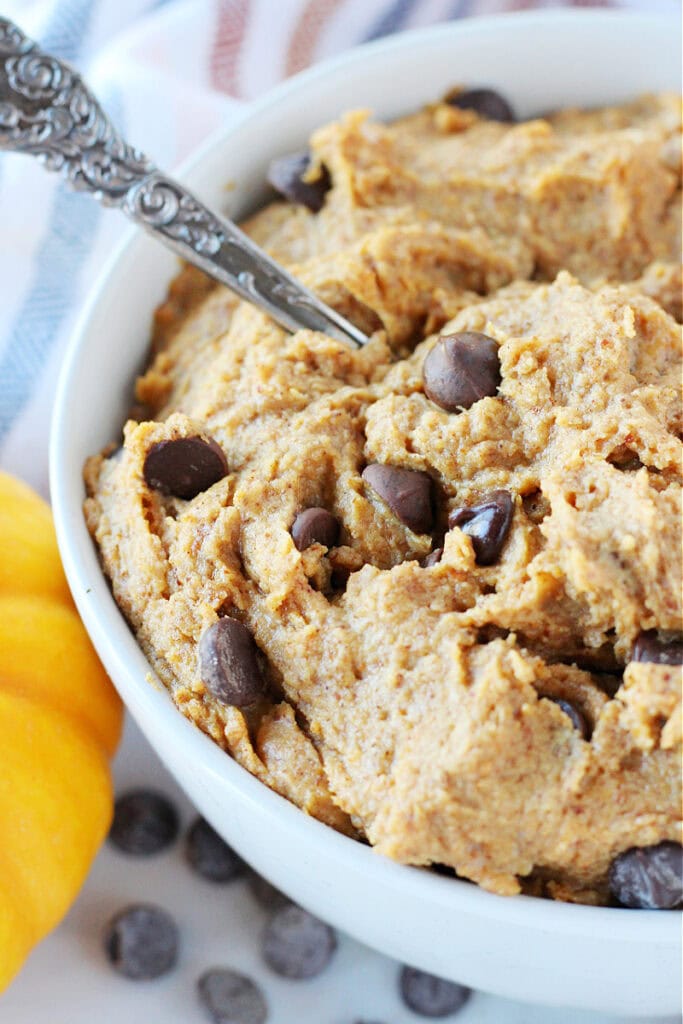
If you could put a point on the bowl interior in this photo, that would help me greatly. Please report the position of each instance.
(540, 61)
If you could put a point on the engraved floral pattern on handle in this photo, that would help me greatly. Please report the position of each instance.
(47, 110)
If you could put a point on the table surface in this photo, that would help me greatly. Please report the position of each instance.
(68, 980)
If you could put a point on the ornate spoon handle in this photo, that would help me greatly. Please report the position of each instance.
(47, 110)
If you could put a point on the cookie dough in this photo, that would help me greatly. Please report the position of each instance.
(453, 697)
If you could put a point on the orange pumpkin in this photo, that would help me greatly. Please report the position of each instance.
(60, 721)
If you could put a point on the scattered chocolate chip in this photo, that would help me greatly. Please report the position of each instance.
(487, 524)
(484, 102)
(229, 665)
(667, 650)
(315, 526)
(577, 718)
(461, 369)
(407, 492)
(296, 944)
(648, 877)
(430, 996)
(184, 467)
(141, 942)
(265, 894)
(231, 998)
(286, 175)
(433, 558)
(210, 856)
(145, 822)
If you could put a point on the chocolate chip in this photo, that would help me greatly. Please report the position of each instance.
(648, 877)
(431, 996)
(650, 646)
(484, 102)
(461, 369)
(141, 942)
(145, 822)
(229, 665)
(315, 526)
(577, 719)
(625, 459)
(210, 856)
(433, 558)
(265, 894)
(286, 175)
(296, 944)
(487, 524)
(231, 998)
(184, 467)
(407, 492)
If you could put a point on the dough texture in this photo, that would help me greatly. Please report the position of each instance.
(413, 705)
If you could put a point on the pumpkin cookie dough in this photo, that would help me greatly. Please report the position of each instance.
(430, 590)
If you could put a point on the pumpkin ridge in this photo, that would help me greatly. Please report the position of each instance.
(47, 657)
(52, 822)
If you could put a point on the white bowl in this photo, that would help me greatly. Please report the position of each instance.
(610, 960)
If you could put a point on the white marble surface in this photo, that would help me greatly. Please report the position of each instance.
(67, 980)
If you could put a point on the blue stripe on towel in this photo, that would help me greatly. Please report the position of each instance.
(392, 20)
(65, 247)
(460, 9)
(68, 240)
(67, 28)
(60, 257)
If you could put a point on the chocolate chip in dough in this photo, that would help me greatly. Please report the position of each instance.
(185, 466)
(461, 369)
(486, 524)
(648, 877)
(407, 492)
(145, 822)
(287, 176)
(485, 102)
(433, 558)
(210, 856)
(430, 996)
(576, 717)
(296, 944)
(649, 646)
(229, 665)
(141, 942)
(315, 525)
(231, 998)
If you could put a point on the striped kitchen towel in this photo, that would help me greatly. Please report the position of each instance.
(168, 73)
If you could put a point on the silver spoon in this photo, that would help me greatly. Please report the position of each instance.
(47, 110)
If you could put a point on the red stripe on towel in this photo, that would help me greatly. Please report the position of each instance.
(306, 33)
(231, 27)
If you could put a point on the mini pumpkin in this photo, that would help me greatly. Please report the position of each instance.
(60, 722)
